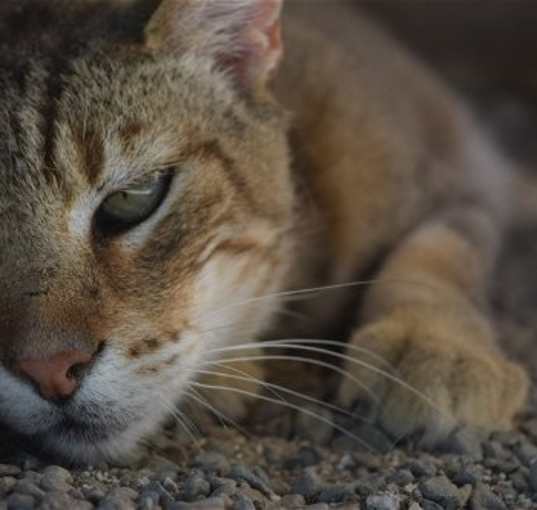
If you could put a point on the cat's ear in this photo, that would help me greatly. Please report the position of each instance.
(243, 37)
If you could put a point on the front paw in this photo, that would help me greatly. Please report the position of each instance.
(433, 377)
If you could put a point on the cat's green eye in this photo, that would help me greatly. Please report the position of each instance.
(131, 206)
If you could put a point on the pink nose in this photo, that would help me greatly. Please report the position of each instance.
(56, 377)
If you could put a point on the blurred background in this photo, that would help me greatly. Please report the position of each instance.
(486, 48)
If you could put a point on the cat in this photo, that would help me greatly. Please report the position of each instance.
(170, 175)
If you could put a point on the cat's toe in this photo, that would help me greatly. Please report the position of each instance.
(428, 385)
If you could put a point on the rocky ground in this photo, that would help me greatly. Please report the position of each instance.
(290, 460)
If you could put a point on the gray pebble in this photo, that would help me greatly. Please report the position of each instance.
(7, 483)
(59, 473)
(307, 485)
(484, 499)
(440, 490)
(9, 469)
(165, 497)
(196, 487)
(148, 504)
(243, 503)
(148, 500)
(20, 502)
(223, 487)
(62, 501)
(383, 502)
(346, 462)
(212, 461)
(241, 472)
(170, 485)
(27, 487)
(123, 493)
(51, 483)
(401, 477)
(506, 437)
(32, 476)
(431, 505)
(470, 474)
(464, 441)
(111, 503)
(206, 504)
(420, 468)
(93, 494)
(305, 457)
(526, 452)
(335, 494)
(519, 480)
(495, 450)
(533, 476)
(293, 501)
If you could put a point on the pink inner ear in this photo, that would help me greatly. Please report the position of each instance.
(243, 36)
(260, 46)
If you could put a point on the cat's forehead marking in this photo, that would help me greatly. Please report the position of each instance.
(39, 42)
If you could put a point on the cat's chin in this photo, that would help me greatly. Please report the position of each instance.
(78, 443)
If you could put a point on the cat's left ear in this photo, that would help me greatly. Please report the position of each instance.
(243, 37)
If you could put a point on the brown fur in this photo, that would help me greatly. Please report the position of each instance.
(378, 158)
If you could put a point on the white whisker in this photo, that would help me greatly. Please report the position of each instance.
(223, 418)
(290, 406)
(310, 361)
(289, 391)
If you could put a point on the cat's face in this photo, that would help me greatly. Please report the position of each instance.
(145, 196)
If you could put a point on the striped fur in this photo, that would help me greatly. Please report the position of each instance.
(377, 160)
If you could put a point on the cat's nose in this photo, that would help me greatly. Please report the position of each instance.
(58, 376)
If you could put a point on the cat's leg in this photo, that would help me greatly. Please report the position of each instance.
(427, 319)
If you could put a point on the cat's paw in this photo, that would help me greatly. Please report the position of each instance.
(432, 378)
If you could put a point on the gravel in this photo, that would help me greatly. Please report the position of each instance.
(227, 471)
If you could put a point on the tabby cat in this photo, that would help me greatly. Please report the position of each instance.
(169, 176)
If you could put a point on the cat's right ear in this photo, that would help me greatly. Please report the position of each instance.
(242, 37)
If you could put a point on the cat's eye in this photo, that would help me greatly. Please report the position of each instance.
(131, 206)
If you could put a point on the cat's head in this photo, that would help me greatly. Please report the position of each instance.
(145, 204)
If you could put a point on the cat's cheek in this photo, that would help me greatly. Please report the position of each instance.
(231, 302)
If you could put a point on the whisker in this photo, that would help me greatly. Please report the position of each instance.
(290, 405)
(246, 374)
(391, 377)
(310, 361)
(181, 419)
(223, 418)
(333, 287)
(289, 391)
(368, 366)
(302, 343)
